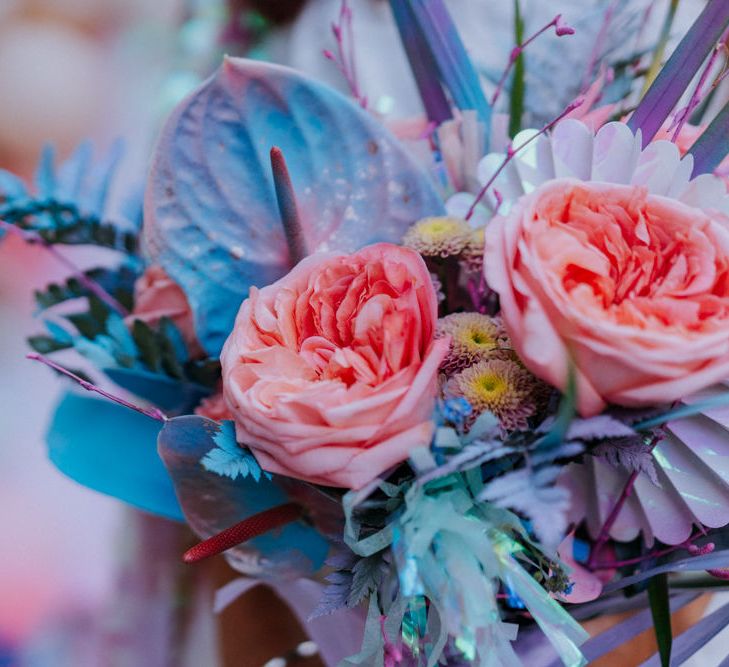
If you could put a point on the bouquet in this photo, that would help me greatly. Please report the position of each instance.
(459, 382)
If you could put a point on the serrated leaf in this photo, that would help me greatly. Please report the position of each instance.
(117, 329)
(228, 458)
(88, 326)
(367, 575)
(168, 353)
(334, 596)
(632, 454)
(149, 351)
(58, 332)
(170, 331)
(47, 344)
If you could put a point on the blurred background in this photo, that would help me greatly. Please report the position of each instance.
(103, 69)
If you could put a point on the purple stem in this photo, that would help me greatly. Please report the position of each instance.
(676, 75)
(36, 239)
(345, 59)
(152, 413)
(599, 42)
(511, 152)
(612, 564)
(559, 30)
(696, 97)
(604, 535)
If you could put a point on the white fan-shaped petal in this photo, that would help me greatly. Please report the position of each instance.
(507, 183)
(459, 204)
(534, 161)
(707, 191)
(692, 463)
(682, 177)
(572, 150)
(615, 153)
(657, 166)
(612, 155)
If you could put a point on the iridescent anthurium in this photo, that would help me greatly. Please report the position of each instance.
(213, 221)
(211, 215)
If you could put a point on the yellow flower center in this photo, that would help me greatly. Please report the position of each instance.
(489, 387)
(437, 227)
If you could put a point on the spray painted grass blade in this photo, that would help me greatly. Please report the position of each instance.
(681, 67)
(713, 145)
(437, 107)
(455, 69)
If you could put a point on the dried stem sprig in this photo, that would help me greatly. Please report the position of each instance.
(152, 413)
(560, 29)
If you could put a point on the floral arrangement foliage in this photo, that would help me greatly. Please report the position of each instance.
(471, 381)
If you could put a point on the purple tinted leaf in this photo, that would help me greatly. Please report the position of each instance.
(624, 631)
(455, 69)
(713, 145)
(422, 64)
(681, 67)
(633, 454)
(711, 561)
(211, 215)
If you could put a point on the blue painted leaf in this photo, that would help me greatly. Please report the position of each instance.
(681, 67)
(94, 196)
(212, 502)
(72, 173)
(112, 450)
(211, 217)
(119, 332)
(713, 145)
(170, 395)
(11, 187)
(228, 458)
(45, 176)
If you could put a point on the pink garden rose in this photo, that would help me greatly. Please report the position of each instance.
(633, 287)
(331, 372)
(156, 296)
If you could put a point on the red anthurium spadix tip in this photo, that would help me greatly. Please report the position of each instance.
(241, 532)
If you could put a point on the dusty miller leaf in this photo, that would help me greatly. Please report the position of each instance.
(598, 428)
(533, 494)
